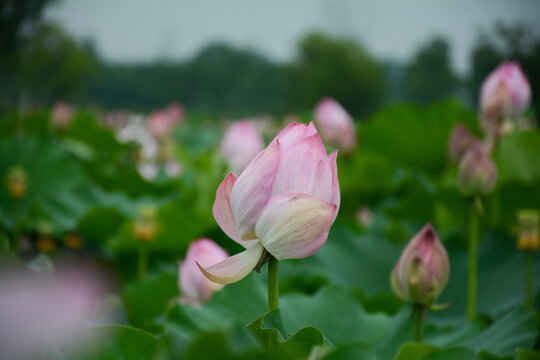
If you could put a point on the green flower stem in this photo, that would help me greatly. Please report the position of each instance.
(143, 259)
(528, 279)
(418, 312)
(473, 262)
(16, 226)
(273, 286)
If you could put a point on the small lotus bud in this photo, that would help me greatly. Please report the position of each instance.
(364, 216)
(529, 238)
(17, 182)
(460, 140)
(335, 124)
(477, 172)
(61, 115)
(145, 228)
(240, 144)
(505, 93)
(423, 269)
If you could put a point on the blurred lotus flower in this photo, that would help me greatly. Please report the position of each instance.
(505, 93)
(160, 123)
(61, 115)
(477, 172)
(37, 313)
(460, 140)
(335, 124)
(282, 204)
(136, 131)
(173, 168)
(240, 144)
(148, 170)
(194, 287)
(364, 216)
(423, 269)
(17, 182)
(176, 112)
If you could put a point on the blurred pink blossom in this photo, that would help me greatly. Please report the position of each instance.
(160, 123)
(240, 144)
(505, 93)
(61, 115)
(335, 124)
(176, 112)
(194, 287)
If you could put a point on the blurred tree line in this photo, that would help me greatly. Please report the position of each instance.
(40, 63)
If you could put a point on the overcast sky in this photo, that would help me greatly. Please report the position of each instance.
(144, 30)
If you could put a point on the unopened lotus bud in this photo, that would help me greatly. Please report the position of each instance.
(145, 228)
(335, 124)
(423, 269)
(194, 287)
(61, 115)
(477, 172)
(17, 182)
(505, 92)
(529, 238)
(460, 140)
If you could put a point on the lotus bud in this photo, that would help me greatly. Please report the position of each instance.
(61, 115)
(335, 124)
(423, 269)
(477, 172)
(460, 140)
(529, 238)
(240, 144)
(364, 216)
(282, 205)
(145, 228)
(505, 93)
(194, 287)
(176, 112)
(17, 182)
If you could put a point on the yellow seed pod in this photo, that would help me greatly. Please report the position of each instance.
(17, 182)
(46, 244)
(73, 241)
(528, 237)
(145, 228)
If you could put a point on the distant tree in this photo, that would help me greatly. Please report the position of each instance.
(53, 65)
(506, 42)
(429, 75)
(337, 67)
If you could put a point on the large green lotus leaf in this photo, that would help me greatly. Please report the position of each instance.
(146, 299)
(414, 136)
(57, 191)
(112, 342)
(518, 157)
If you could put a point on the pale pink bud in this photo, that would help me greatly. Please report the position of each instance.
(505, 92)
(364, 216)
(160, 123)
(61, 115)
(477, 172)
(335, 124)
(194, 287)
(283, 203)
(240, 144)
(423, 269)
(460, 140)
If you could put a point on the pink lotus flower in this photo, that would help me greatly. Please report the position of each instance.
(160, 123)
(61, 115)
(460, 141)
(423, 269)
(335, 124)
(505, 92)
(240, 144)
(283, 204)
(477, 171)
(194, 287)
